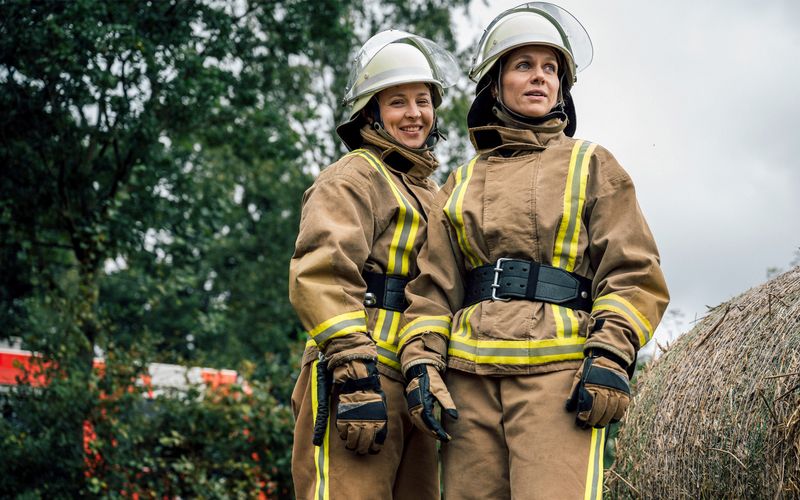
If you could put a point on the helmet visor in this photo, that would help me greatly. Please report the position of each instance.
(444, 68)
(576, 38)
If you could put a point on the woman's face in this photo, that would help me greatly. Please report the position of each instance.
(529, 82)
(407, 113)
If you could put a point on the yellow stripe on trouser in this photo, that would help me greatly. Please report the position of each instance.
(516, 352)
(321, 453)
(454, 208)
(615, 303)
(566, 244)
(594, 473)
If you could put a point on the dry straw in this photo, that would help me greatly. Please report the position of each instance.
(718, 414)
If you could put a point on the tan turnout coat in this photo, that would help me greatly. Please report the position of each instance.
(367, 211)
(548, 198)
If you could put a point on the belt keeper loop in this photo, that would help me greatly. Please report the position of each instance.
(533, 279)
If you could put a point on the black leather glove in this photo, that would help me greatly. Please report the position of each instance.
(426, 387)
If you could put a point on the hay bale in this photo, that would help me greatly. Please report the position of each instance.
(718, 414)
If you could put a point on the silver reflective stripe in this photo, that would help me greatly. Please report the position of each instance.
(426, 325)
(391, 356)
(332, 330)
(525, 352)
(577, 195)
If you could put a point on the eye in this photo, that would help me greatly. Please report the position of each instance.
(423, 102)
(396, 102)
(550, 68)
(522, 66)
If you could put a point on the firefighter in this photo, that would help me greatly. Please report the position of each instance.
(539, 279)
(362, 225)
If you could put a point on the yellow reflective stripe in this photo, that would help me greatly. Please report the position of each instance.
(436, 324)
(454, 208)
(386, 326)
(405, 231)
(566, 247)
(516, 352)
(594, 473)
(464, 328)
(387, 354)
(321, 453)
(385, 336)
(614, 303)
(566, 321)
(338, 326)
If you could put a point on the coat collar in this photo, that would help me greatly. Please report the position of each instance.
(418, 164)
(489, 138)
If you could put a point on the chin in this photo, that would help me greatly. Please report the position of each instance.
(534, 113)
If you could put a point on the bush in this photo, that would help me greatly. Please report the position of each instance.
(106, 439)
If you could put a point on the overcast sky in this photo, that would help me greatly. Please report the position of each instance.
(699, 103)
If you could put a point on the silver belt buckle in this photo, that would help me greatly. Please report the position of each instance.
(496, 282)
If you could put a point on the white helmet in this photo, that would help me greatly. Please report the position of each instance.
(538, 23)
(390, 58)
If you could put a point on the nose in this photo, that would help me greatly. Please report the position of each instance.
(537, 74)
(412, 111)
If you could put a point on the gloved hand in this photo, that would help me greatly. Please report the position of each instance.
(425, 387)
(361, 417)
(600, 392)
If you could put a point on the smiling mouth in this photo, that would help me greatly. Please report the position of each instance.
(412, 129)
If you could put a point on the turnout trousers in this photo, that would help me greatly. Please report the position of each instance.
(514, 439)
(406, 467)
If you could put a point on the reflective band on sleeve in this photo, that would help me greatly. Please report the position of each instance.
(516, 352)
(566, 247)
(407, 223)
(338, 326)
(423, 324)
(594, 473)
(454, 208)
(321, 453)
(619, 305)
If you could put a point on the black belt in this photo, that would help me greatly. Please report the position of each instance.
(524, 279)
(385, 291)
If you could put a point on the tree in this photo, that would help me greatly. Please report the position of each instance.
(152, 158)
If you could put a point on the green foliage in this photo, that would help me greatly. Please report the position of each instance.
(152, 160)
(198, 443)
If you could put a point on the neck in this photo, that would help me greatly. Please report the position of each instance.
(513, 119)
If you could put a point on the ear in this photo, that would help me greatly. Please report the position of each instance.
(494, 90)
(367, 116)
